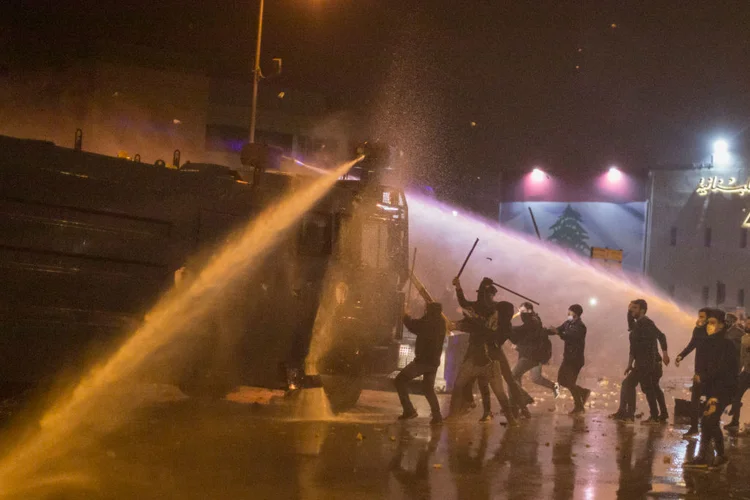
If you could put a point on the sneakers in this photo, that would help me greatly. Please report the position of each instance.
(696, 463)
(525, 413)
(651, 421)
(408, 415)
(487, 417)
(719, 462)
(586, 395)
(556, 390)
(615, 416)
(577, 411)
(436, 420)
(692, 432)
(663, 419)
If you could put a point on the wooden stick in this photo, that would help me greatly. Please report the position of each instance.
(467, 258)
(413, 265)
(515, 293)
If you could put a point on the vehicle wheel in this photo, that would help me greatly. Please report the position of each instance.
(343, 391)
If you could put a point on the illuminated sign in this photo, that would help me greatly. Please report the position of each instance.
(746, 222)
(606, 254)
(718, 185)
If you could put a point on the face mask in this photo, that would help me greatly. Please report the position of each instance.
(711, 329)
(570, 317)
(525, 317)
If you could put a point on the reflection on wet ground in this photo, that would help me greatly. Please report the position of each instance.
(184, 449)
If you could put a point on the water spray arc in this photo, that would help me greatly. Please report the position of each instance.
(169, 319)
(547, 273)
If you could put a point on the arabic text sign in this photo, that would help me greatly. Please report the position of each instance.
(719, 185)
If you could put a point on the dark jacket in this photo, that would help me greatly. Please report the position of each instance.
(644, 336)
(735, 334)
(718, 366)
(430, 331)
(488, 326)
(573, 334)
(530, 338)
(699, 333)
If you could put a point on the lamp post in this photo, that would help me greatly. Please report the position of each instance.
(256, 76)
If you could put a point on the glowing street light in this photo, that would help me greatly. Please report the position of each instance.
(614, 174)
(721, 155)
(455, 213)
(593, 301)
(538, 175)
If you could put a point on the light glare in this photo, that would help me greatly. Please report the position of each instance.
(614, 174)
(721, 155)
(537, 175)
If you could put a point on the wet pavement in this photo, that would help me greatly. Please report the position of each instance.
(242, 450)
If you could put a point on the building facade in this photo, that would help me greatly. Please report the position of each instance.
(697, 247)
(684, 227)
(149, 104)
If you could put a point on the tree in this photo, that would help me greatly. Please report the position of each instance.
(568, 231)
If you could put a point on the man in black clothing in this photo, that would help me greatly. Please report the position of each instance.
(743, 381)
(644, 366)
(699, 334)
(430, 330)
(482, 320)
(716, 372)
(573, 333)
(533, 346)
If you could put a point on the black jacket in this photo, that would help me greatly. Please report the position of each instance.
(488, 326)
(644, 336)
(699, 334)
(718, 366)
(573, 334)
(430, 332)
(529, 337)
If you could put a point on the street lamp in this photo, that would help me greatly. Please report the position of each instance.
(256, 75)
(721, 156)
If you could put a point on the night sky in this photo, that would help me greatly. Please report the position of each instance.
(563, 85)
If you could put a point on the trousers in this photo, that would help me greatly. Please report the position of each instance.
(410, 372)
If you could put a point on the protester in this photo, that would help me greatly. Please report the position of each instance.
(644, 367)
(430, 330)
(699, 334)
(716, 372)
(534, 348)
(573, 333)
(481, 321)
(519, 399)
(743, 382)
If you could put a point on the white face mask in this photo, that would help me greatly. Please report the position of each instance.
(571, 317)
(710, 329)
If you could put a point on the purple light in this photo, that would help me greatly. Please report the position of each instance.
(537, 175)
(614, 174)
